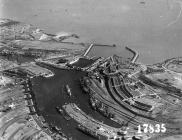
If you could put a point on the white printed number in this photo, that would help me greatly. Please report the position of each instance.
(149, 128)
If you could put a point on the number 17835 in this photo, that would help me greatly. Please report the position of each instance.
(149, 128)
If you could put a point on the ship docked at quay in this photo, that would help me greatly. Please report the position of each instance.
(121, 90)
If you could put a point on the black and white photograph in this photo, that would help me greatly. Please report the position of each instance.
(90, 69)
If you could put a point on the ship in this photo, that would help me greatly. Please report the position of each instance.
(65, 115)
(59, 110)
(88, 131)
(58, 130)
(48, 75)
(68, 90)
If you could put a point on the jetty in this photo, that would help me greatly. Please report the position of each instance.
(135, 54)
(88, 50)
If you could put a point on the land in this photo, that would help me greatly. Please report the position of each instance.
(123, 90)
(22, 47)
(137, 93)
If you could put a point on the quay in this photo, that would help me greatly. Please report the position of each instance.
(16, 108)
(88, 122)
(117, 89)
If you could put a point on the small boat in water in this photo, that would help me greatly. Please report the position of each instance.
(68, 90)
(64, 114)
(59, 110)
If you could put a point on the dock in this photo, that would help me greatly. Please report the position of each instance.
(91, 124)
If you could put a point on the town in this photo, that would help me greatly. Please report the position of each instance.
(122, 90)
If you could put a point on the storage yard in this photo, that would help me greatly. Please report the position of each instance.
(96, 98)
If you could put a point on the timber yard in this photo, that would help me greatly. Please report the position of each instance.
(61, 93)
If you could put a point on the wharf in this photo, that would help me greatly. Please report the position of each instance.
(94, 125)
(35, 70)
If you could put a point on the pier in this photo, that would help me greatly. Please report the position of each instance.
(88, 50)
(135, 53)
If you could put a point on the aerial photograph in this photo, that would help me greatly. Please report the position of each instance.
(90, 69)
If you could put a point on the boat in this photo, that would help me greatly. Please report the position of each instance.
(68, 90)
(67, 117)
(58, 130)
(48, 75)
(88, 131)
(64, 114)
(59, 110)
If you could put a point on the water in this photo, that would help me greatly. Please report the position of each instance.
(153, 28)
(49, 94)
